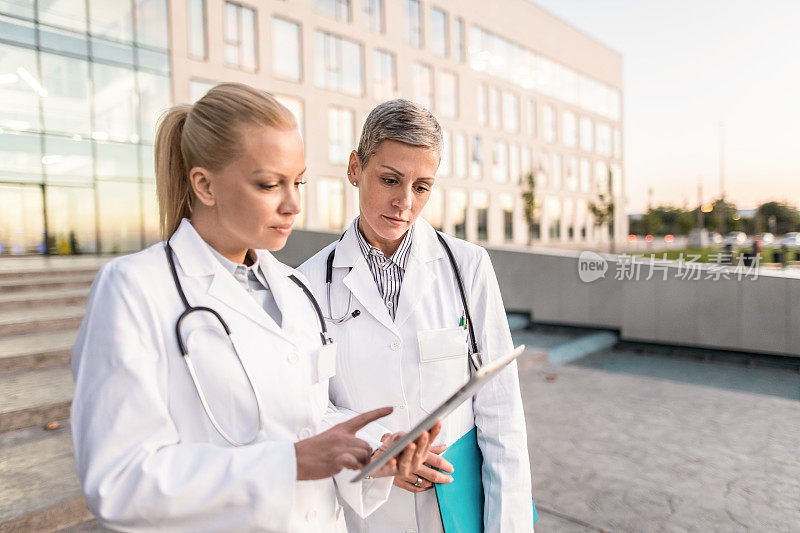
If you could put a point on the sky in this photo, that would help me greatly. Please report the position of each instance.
(689, 65)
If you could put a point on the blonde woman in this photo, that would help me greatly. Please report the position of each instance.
(397, 309)
(202, 366)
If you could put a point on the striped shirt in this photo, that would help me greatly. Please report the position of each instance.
(387, 272)
(252, 280)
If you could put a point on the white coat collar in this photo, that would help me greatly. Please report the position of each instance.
(196, 260)
(418, 278)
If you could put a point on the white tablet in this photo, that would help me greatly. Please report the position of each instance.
(478, 380)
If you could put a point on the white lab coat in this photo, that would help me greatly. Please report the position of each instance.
(380, 362)
(148, 457)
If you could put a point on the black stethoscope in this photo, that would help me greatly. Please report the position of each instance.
(185, 352)
(475, 356)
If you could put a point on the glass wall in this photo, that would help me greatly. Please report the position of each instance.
(500, 57)
(80, 94)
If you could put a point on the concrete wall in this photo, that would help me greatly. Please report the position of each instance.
(754, 315)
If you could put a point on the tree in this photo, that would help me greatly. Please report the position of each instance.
(603, 213)
(777, 217)
(529, 202)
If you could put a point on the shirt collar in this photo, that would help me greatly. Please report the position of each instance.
(232, 267)
(399, 257)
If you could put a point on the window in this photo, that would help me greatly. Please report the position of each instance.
(507, 203)
(440, 36)
(530, 123)
(67, 160)
(19, 96)
(553, 208)
(434, 209)
(617, 143)
(569, 129)
(586, 175)
(482, 101)
(330, 203)
(154, 99)
(338, 9)
(494, 107)
(240, 36)
(20, 157)
(587, 134)
(513, 163)
(460, 155)
(423, 85)
(541, 167)
(115, 104)
(70, 14)
(616, 180)
(569, 217)
(413, 20)
(457, 208)
(549, 123)
(338, 64)
(286, 49)
(476, 166)
(448, 94)
(295, 105)
(580, 218)
(198, 88)
(67, 108)
(510, 112)
(604, 139)
(340, 135)
(113, 20)
(71, 220)
(385, 79)
(151, 24)
(373, 15)
(572, 173)
(601, 185)
(525, 164)
(196, 18)
(446, 164)
(480, 201)
(500, 162)
(558, 166)
(116, 160)
(459, 39)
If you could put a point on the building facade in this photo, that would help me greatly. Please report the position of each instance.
(516, 90)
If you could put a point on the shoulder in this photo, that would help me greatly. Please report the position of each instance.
(140, 267)
(314, 267)
(469, 257)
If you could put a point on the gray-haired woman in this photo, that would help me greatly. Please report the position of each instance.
(395, 309)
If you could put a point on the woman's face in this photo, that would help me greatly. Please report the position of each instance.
(255, 198)
(393, 188)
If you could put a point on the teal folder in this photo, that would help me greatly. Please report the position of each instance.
(461, 501)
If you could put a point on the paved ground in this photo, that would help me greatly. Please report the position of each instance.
(617, 452)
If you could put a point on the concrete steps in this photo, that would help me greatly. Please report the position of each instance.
(40, 489)
(39, 319)
(43, 298)
(42, 302)
(32, 351)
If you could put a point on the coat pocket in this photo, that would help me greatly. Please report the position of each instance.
(442, 364)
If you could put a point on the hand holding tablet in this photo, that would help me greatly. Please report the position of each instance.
(422, 435)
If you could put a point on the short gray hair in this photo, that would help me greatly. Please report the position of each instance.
(399, 120)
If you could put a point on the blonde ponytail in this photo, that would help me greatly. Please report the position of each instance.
(206, 134)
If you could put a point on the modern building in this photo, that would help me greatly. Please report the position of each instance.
(517, 91)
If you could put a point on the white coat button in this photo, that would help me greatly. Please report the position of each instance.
(305, 433)
(292, 356)
(401, 406)
(395, 346)
(311, 515)
(389, 304)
